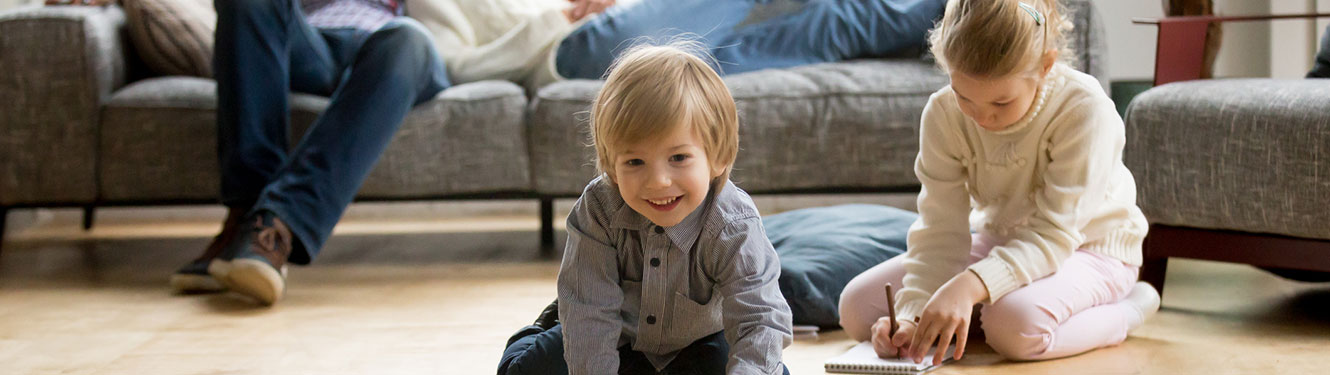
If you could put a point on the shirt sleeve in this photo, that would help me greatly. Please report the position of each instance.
(758, 323)
(938, 244)
(589, 292)
(1085, 146)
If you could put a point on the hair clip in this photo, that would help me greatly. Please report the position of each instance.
(1038, 17)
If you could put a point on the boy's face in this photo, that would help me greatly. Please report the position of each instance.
(665, 178)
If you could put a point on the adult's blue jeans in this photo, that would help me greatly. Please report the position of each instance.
(748, 35)
(265, 49)
(536, 351)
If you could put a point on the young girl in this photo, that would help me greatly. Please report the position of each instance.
(1027, 153)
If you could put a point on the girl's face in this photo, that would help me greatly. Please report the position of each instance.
(665, 179)
(995, 103)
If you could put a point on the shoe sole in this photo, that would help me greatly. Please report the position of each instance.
(219, 268)
(257, 279)
(195, 284)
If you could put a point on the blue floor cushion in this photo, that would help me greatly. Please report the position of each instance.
(822, 248)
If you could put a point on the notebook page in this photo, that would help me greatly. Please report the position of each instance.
(861, 359)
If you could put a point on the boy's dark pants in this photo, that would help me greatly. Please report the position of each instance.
(537, 351)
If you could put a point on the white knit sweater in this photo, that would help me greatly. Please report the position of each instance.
(1048, 185)
(513, 40)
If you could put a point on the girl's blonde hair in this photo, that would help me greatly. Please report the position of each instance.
(652, 90)
(997, 38)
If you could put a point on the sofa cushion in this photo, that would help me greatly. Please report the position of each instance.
(467, 140)
(862, 117)
(822, 248)
(1250, 155)
(173, 37)
(842, 126)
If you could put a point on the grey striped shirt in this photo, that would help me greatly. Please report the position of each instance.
(627, 281)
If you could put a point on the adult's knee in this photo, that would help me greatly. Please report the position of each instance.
(401, 47)
(250, 8)
(401, 37)
(1018, 331)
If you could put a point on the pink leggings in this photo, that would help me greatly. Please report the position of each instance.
(1077, 309)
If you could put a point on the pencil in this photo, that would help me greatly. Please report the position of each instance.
(891, 310)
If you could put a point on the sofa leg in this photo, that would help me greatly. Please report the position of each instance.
(89, 212)
(546, 227)
(1153, 271)
(4, 212)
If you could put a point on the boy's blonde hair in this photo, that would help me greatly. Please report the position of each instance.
(651, 90)
(997, 38)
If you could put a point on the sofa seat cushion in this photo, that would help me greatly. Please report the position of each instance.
(848, 125)
(467, 140)
(1249, 155)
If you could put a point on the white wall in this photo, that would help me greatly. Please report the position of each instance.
(1280, 49)
(7, 4)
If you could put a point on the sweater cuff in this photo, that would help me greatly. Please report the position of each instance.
(909, 311)
(996, 276)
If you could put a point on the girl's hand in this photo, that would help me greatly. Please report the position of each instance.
(884, 343)
(947, 316)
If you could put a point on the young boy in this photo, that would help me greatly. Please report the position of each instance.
(667, 269)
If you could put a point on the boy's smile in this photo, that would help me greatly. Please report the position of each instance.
(665, 178)
(664, 204)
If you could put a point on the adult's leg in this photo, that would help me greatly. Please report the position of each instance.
(751, 35)
(534, 350)
(828, 31)
(1076, 309)
(263, 49)
(864, 299)
(588, 51)
(394, 69)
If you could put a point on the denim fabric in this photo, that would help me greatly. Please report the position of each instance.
(1321, 67)
(266, 48)
(747, 35)
(533, 350)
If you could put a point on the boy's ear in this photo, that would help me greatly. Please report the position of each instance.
(719, 170)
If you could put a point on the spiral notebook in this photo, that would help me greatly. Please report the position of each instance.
(861, 359)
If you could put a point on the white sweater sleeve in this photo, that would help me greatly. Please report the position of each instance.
(1086, 144)
(939, 240)
(523, 47)
(515, 55)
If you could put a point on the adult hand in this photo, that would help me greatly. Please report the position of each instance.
(947, 316)
(885, 344)
(584, 8)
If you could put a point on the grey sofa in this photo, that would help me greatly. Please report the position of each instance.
(1234, 170)
(81, 125)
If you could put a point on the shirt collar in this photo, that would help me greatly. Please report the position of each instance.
(683, 235)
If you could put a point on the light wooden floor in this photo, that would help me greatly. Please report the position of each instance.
(394, 295)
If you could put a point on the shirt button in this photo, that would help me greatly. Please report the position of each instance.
(660, 230)
(655, 262)
(651, 319)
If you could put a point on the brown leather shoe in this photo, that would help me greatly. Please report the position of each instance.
(193, 277)
(258, 268)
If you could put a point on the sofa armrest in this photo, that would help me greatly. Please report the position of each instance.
(57, 66)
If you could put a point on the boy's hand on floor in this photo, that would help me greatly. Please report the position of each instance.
(891, 346)
(947, 316)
